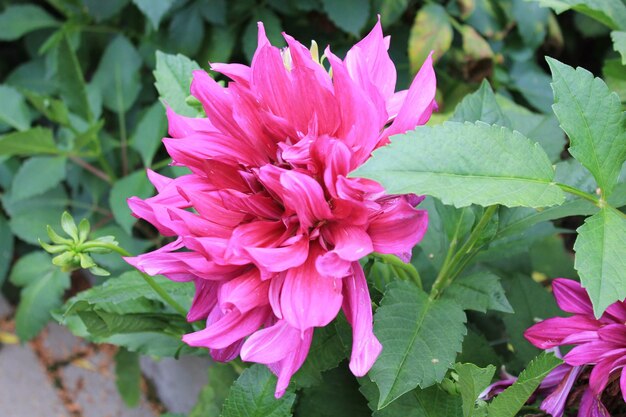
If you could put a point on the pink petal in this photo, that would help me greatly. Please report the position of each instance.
(588, 353)
(554, 404)
(306, 197)
(332, 265)
(244, 293)
(350, 242)
(591, 406)
(398, 228)
(551, 332)
(571, 297)
(357, 307)
(281, 258)
(271, 344)
(204, 300)
(236, 72)
(285, 368)
(228, 353)
(181, 126)
(599, 377)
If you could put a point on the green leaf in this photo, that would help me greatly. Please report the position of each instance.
(146, 138)
(213, 394)
(37, 140)
(43, 286)
(593, 119)
(186, 29)
(480, 291)
(326, 352)
(71, 80)
(610, 12)
(431, 31)
(273, 30)
(37, 175)
(135, 184)
(478, 350)
(30, 216)
(101, 324)
(463, 164)
(13, 108)
(18, 20)
(173, 75)
(619, 43)
(54, 110)
(551, 258)
(148, 343)
(252, 395)
(128, 376)
(532, 22)
(420, 339)
(6, 248)
(117, 76)
(154, 10)
(337, 395)
(349, 15)
(600, 258)
(532, 83)
(390, 10)
(614, 73)
(472, 381)
(481, 106)
(103, 10)
(513, 398)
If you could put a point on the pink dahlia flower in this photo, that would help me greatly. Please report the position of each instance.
(269, 225)
(599, 343)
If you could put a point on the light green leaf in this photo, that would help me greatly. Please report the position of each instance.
(593, 119)
(472, 381)
(532, 22)
(13, 109)
(154, 10)
(173, 78)
(71, 80)
(252, 395)
(390, 10)
(6, 248)
(18, 20)
(619, 43)
(37, 175)
(117, 76)
(610, 12)
(133, 185)
(463, 164)
(513, 398)
(147, 136)
(349, 15)
(43, 286)
(614, 73)
(128, 376)
(601, 258)
(213, 394)
(34, 141)
(420, 339)
(431, 31)
(481, 106)
(480, 291)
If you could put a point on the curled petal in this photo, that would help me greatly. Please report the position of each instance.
(556, 401)
(571, 297)
(551, 332)
(398, 228)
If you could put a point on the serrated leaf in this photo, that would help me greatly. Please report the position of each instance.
(612, 13)
(601, 258)
(147, 136)
(420, 339)
(37, 140)
(349, 15)
(619, 43)
(326, 352)
(593, 119)
(101, 324)
(37, 175)
(252, 395)
(18, 20)
(472, 381)
(337, 395)
(463, 164)
(431, 31)
(482, 106)
(154, 10)
(508, 403)
(480, 291)
(13, 109)
(213, 394)
(117, 76)
(135, 184)
(43, 286)
(173, 75)
(71, 80)
(128, 376)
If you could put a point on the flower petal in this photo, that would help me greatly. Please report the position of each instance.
(571, 297)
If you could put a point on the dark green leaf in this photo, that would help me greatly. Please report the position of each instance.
(213, 394)
(186, 29)
(103, 10)
(326, 352)
(472, 381)
(252, 395)
(154, 10)
(147, 136)
(532, 22)
(481, 106)
(18, 20)
(390, 10)
(420, 339)
(610, 12)
(34, 141)
(13, 108)
(480, 291)
(6, 248)
(128, 376)
(273, 30)
(135, 184)
(349, 15)
(37, 175)
(71, 80)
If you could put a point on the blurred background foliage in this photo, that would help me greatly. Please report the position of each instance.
(80, 119)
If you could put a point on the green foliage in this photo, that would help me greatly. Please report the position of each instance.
(252, 395)
(480, 291)
(128, 376)
(349, 15)
(135, 184)
(420, 339)
(18, 20)
(431, 31)
(13, 109)
(37, 175)
(213, 394)
(173, 75)
(37, 140)
(457, 163)
(513, 398)
(472, 380)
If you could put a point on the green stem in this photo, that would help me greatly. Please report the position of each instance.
(450, 269)
(395, 262)
(579, 193)
(161, 164)
(149, 280)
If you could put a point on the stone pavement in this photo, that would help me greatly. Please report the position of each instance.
(60, 375)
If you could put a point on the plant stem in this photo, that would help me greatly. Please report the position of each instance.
(95, 171)
(450, 269)
(408, 269)
(121, 121)
(579, 193)
(149, 280)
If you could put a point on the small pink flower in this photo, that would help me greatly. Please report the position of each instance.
(599, 343)
(269, 225)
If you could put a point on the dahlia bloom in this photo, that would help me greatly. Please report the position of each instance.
(268, 224)
(599, 343)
